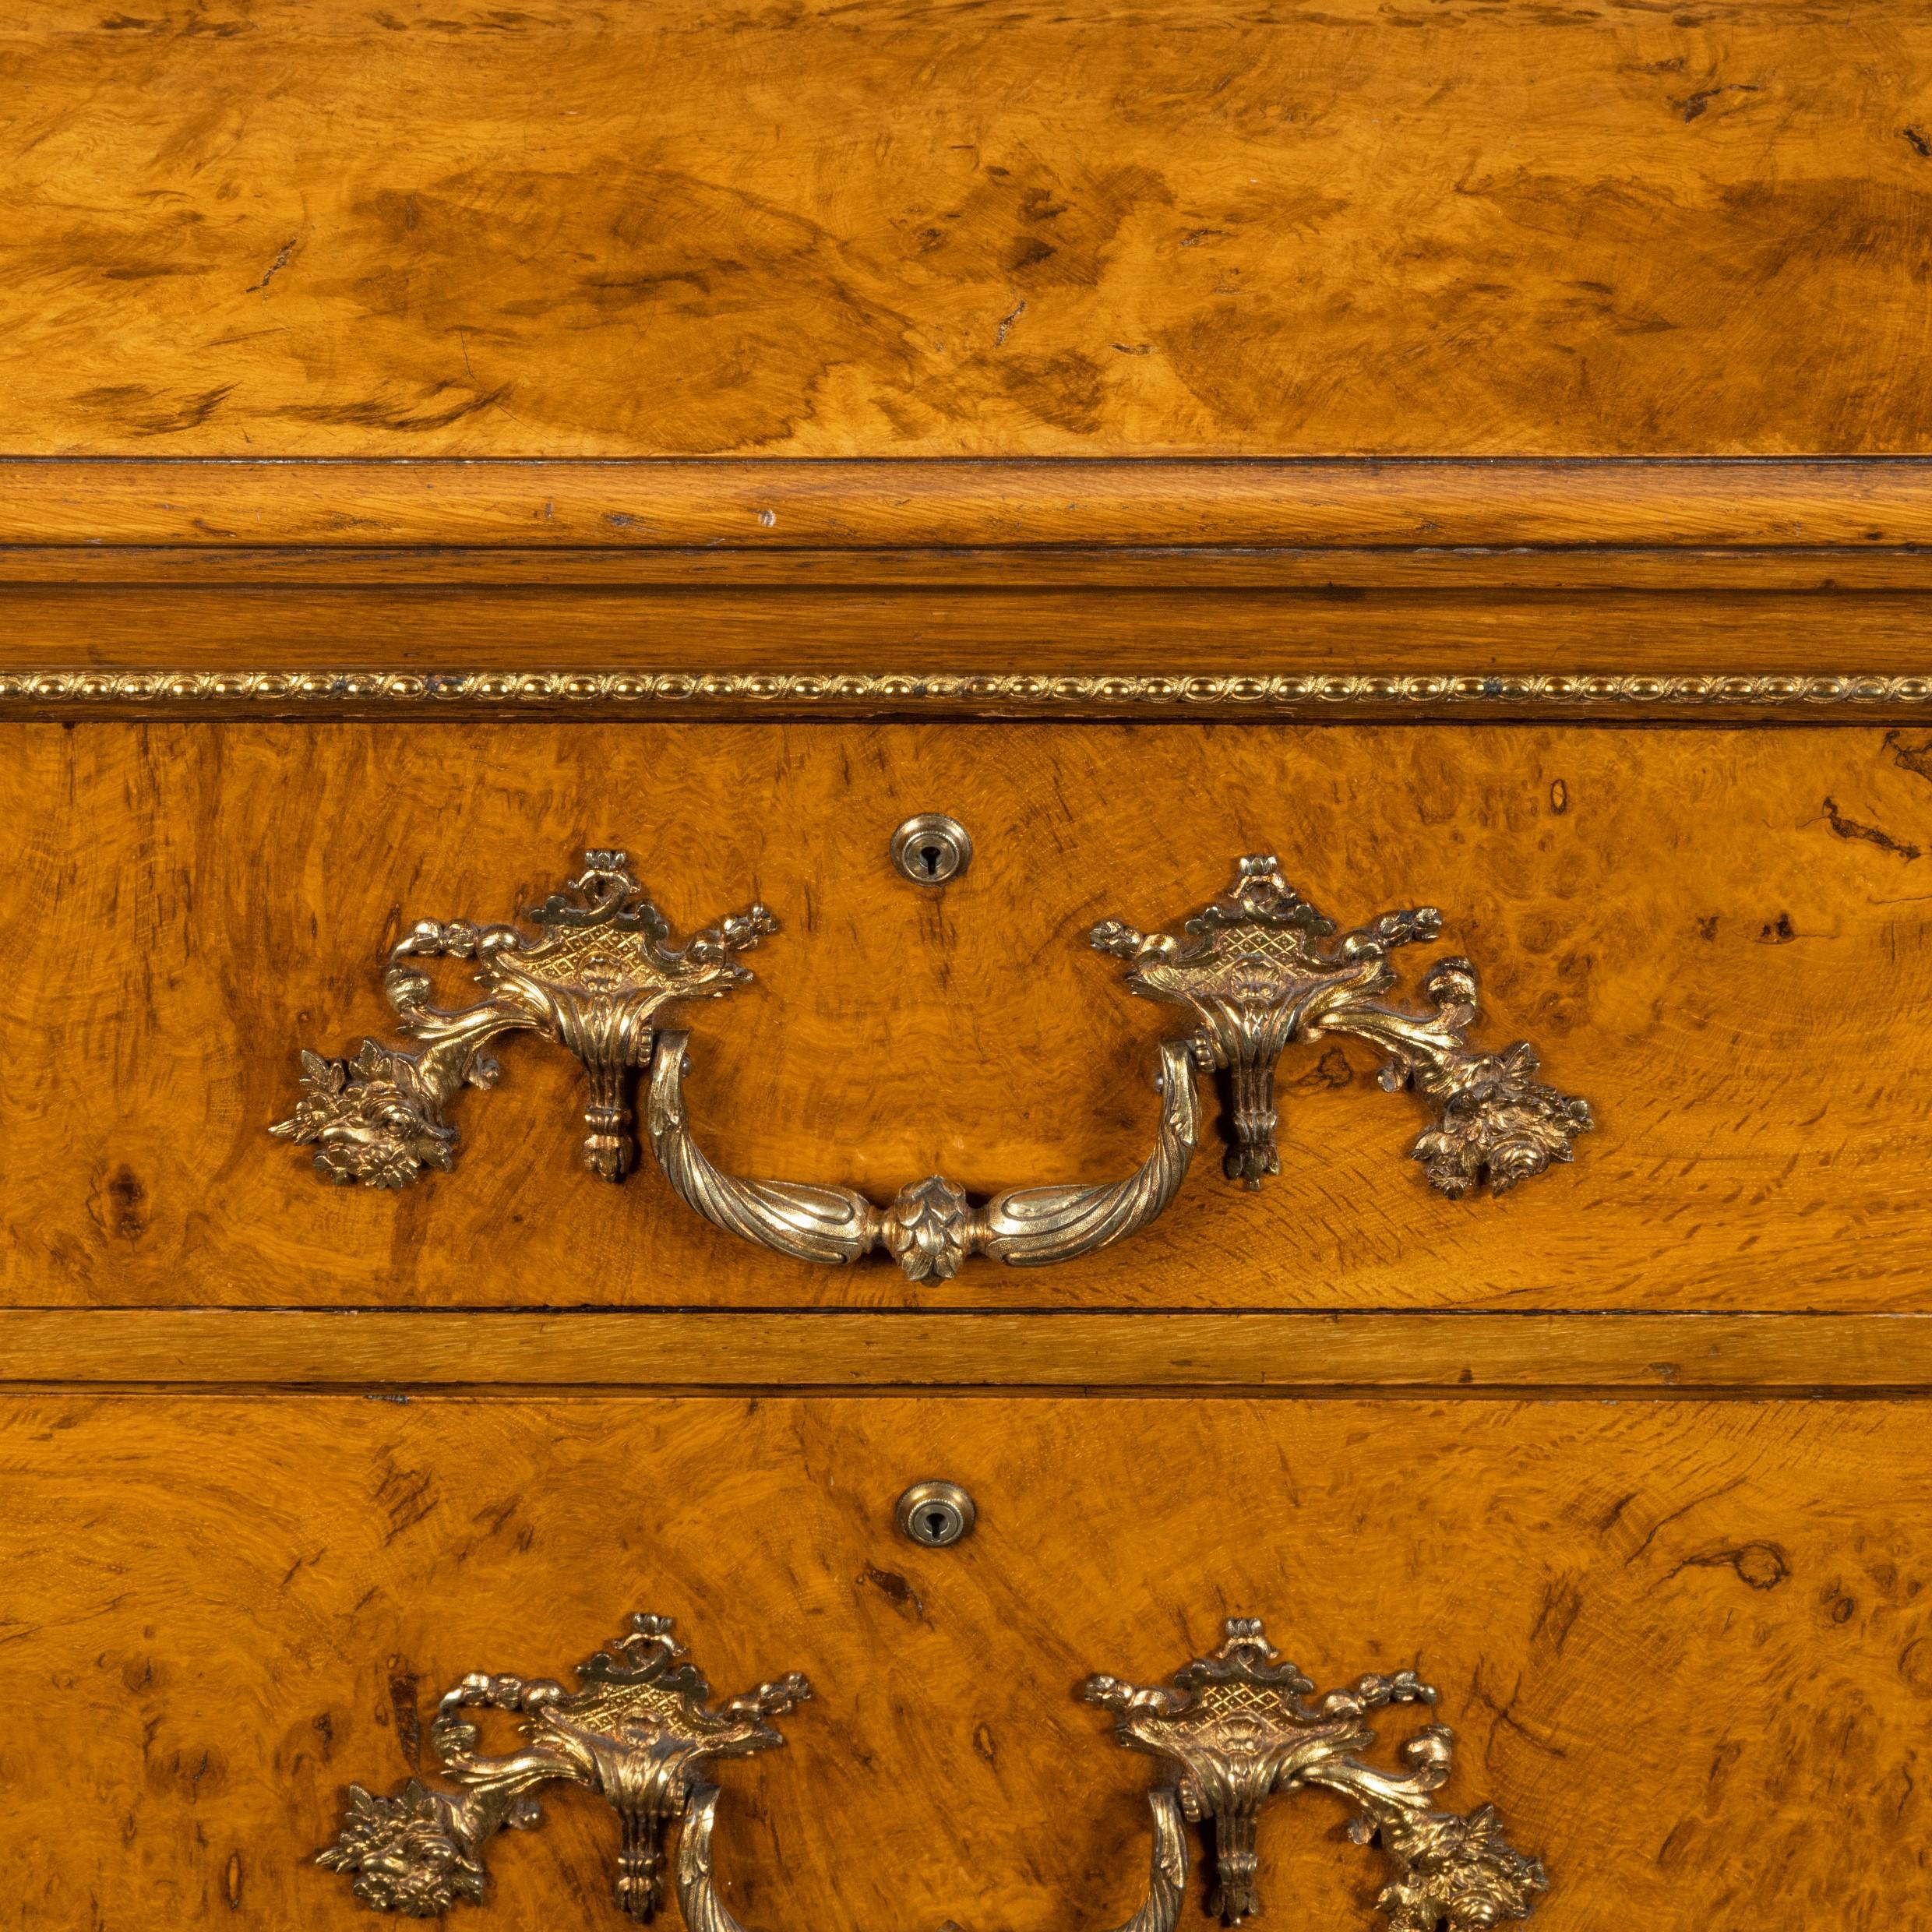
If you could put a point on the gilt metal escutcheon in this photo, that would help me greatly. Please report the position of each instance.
(1235, 1729)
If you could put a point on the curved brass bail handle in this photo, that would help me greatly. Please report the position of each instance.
(595, 967)
(930, 1229)
(1167, 1880)
(1237, 1727)
(705, 1912)
(697, 1892)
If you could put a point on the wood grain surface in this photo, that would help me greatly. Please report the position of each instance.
(772, 508)
(1687, 1648)
(1715, 937)
(834, 230)
(135, 568)
(1664, 1356)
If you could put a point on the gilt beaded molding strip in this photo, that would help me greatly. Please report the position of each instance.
(846, 691)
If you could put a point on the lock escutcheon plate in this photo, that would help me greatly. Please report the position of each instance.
(930, 848)
(937, 1514)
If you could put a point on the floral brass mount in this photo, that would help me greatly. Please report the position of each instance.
(1260, 967)
(639, 1730)
(594, 980)
(1236, 1728)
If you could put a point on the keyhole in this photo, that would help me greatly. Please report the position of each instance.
(930, 849)
(936, 1514)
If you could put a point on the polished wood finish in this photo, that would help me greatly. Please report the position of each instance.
(1713, 936)
(687, 1349)
(822, 232)
(1674, 1639)
(773, 508)
(1663, 577)
(1094, 567)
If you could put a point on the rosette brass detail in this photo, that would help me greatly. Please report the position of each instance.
(1236, 1729)
(639, 1730)
(1260, 967)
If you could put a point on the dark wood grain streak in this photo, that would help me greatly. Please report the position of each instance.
(1548, 570)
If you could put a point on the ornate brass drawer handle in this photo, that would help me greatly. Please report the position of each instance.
(639, 1730)
(1235, 1729)
(930, 1229)
(1261, 966)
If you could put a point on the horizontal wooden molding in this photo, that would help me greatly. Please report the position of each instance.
(766, 506)
(1650, 1354)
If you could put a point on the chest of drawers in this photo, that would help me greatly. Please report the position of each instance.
(986, 866)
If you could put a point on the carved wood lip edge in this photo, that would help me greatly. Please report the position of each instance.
(1433, 1354)
(765, 504)
(279, 692)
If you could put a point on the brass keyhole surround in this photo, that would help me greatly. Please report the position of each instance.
(937, 1514)
(930, 848)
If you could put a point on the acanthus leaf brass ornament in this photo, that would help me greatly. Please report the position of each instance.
(1260, 967)
(1237, 1728)
(930, 1229)
(638, 1730)
(593, 979)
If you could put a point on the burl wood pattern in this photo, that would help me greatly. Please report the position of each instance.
(239, 229)
(1715, 937)
(1686, 1649)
